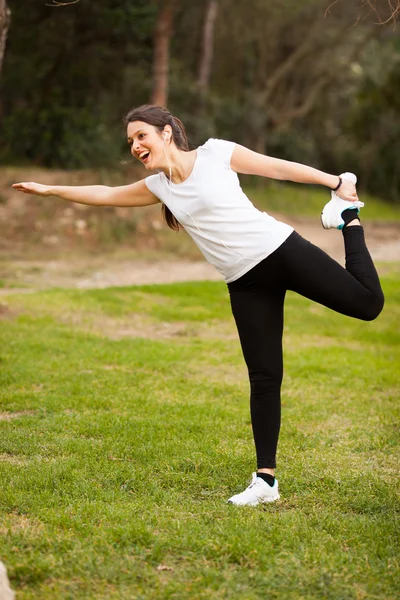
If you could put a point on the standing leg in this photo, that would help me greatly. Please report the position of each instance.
(257, 300)
(259, 318)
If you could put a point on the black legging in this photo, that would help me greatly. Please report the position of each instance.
(257, 300)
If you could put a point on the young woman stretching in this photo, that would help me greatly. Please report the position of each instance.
(259, 257)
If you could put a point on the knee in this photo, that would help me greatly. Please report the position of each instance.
(263, 380)
(372, 310)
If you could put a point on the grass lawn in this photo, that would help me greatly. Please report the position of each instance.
(125, 427)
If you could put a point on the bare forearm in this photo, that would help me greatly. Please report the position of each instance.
(292, 171)
(97, 195)
(133, 194)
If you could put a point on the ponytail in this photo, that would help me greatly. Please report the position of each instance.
(179, 134)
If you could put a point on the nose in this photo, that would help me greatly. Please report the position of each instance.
(135, 147)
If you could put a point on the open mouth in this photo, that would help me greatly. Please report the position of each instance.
(144, 157)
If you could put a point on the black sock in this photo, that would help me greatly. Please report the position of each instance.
(270, 479)
(349, 215)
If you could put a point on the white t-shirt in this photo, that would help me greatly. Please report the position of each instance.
(229, 230)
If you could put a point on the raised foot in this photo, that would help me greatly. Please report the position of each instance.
(331, 216)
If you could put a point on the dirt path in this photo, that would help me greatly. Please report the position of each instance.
(87, 271)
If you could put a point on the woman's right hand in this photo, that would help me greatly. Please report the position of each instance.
(30, 187)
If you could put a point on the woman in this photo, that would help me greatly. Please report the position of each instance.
(259, 257)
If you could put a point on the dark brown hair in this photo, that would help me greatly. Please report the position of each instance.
(159, 117)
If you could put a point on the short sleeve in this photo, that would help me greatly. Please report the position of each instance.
(222, 149)
(154, 184)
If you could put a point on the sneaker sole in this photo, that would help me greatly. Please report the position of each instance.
(340, 227)
(247, 504)
(273, 499)
(323, 224)
(265, 501)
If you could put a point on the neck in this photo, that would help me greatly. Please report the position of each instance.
(178, 162)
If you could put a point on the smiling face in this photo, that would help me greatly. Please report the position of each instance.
(146, 143)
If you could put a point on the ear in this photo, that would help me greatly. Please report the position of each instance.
(167, 133)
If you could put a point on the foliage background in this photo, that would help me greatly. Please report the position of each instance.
(287, 78)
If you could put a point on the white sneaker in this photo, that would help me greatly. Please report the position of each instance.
(331, 216)
(258, 492)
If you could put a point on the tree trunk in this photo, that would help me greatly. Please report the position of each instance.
(162, 36)
(5, 15)
(207, 46)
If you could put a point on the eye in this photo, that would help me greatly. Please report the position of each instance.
(141, 136)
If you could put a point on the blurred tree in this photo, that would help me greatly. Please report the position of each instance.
(286, 59)
(373, 124)
(292, 76)
(385, 11)
(275, 76)
(88, 64)
(162, 35)
(206, 54)
(4, 24)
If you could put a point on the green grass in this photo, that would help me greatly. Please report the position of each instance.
(307, 201)
(125, 427)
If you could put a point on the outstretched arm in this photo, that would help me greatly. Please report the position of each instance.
(252, 163)
(135, 194)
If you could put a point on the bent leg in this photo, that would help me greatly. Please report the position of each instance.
(259, 319)
(359, 263)
(354, 291)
